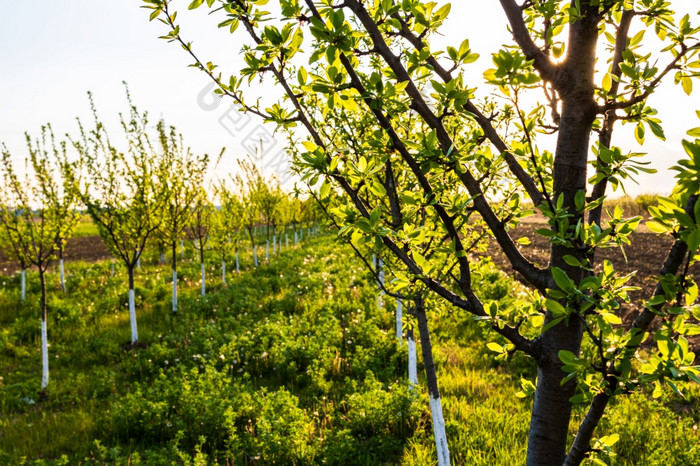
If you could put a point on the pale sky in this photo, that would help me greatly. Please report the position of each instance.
(55, 51)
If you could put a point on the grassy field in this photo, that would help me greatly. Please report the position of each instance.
(291, 363)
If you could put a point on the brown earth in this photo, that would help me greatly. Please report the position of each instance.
(84, 248)
(645, 255)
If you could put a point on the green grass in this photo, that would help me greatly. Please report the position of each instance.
(292, 363)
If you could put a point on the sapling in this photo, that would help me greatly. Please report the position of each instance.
(36, 210)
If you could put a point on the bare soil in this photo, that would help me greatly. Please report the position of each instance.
(645, 255)
(84, 248)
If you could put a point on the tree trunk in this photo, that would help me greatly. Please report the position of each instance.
(296, 237)
(238, 268)
(399, 318)
(23, 283)
(204, 287)
(132, 307)
(182, 249)
(551, 411)
(441, 447)
(286, 240)
(223, 271)
(255, 256)
(412, 358)
(162, 258)
(201, 261)
(267, 249)
(274, 244)
(44, 333)
(174, 266)
(61, 271)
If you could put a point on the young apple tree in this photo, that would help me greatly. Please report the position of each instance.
(199, 229)
(427, 163)
(180, 176)
(34, 211)
(120, 191)
(250, 185)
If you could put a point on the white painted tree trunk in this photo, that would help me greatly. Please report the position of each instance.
(286, 240)
(296, 238)
(412, 360)
(111, 268)
(443, 452)
(174, 290)
(62, 274)
(138, 262)
(399, 317)
(44, 355)
(238, 268)
(223, 272)
(301, 234)
(204, 288)
(182, 249)
(380, 284)
(274, 244)
(267, 250)
(23, 284)
(255, 256)
(132, 316)
(162, 258)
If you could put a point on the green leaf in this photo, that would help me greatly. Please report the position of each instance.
(562, 280)
(195, 4)
(495, 347)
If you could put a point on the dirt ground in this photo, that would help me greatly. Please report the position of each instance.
(646, 255)
(84, 248)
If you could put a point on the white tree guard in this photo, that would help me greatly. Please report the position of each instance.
(174, 290)
(204, 286)
(62, 274)
(412, 361)
(44, 355)
(399, 317)
(132, 316)
(23, 284)
(443, 451)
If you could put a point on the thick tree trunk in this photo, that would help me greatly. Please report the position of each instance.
(44, 333)
(132, 307)
(551, 411)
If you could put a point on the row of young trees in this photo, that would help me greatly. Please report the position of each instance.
(153, 191)
(428, 161)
